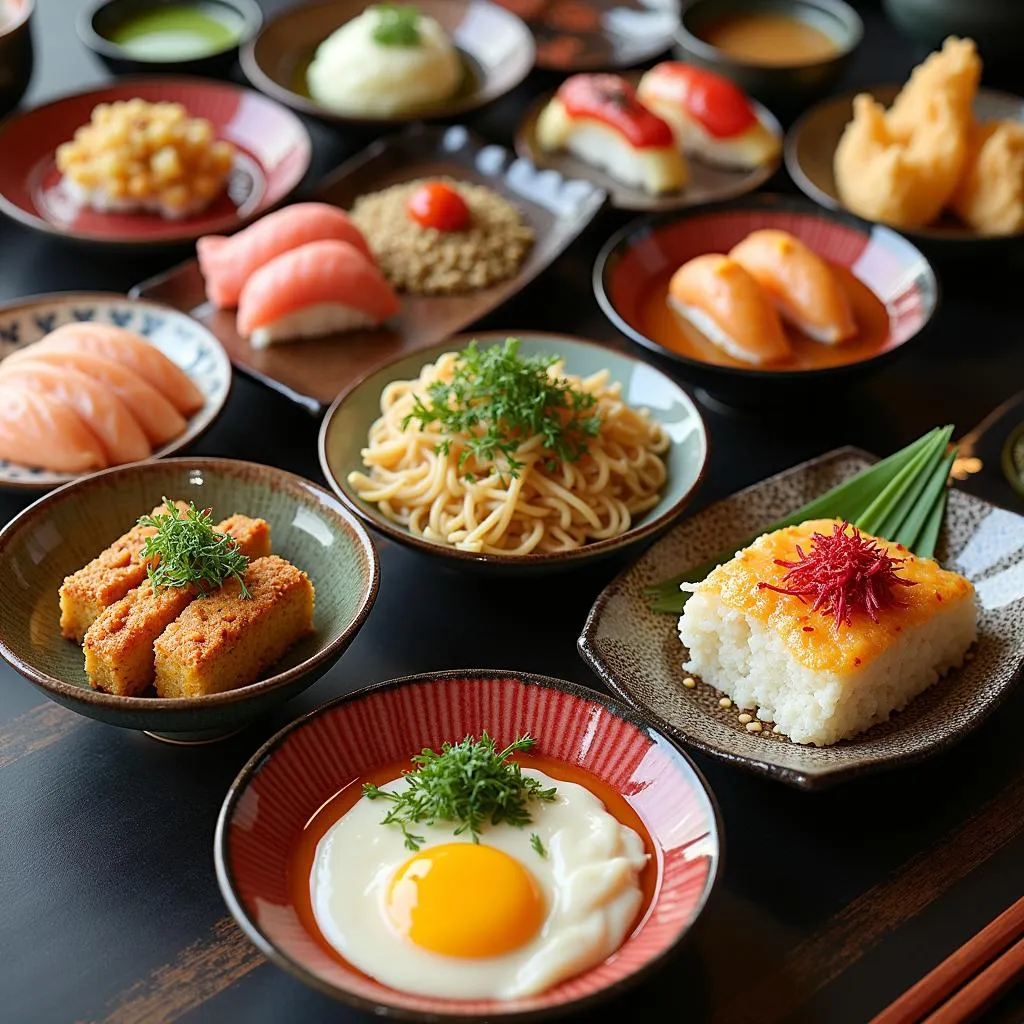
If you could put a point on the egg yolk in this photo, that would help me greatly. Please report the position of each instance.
(465, 900)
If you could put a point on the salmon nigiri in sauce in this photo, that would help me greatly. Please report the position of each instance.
(227, 263)
(718, 297)
(318, 289)
(800, 284)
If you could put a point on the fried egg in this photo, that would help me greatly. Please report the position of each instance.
(488, 920)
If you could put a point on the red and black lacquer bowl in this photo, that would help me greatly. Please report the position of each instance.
(887, 271)
(295, 773)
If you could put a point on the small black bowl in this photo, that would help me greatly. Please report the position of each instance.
(96, 24)
(641, 256)
(785, 88)
(16, 54)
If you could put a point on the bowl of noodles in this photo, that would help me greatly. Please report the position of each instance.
(527, 450)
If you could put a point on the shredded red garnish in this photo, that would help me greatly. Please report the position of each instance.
(843, 573)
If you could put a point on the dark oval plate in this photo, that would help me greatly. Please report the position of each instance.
(637, 652)
(273, 154)
(496, 48)
(314, 372)
(811, 147)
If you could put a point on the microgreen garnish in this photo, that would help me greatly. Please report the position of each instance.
(536, 843)
(397, 24)
(187, 551)
(497, 399)
(470, 784)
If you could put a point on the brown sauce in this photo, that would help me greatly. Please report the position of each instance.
(658, 321)
(769, 39)
(320, 824)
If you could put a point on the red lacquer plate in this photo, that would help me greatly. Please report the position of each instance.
(273, 153)
(309, 761)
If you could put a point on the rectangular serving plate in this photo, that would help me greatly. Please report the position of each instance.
(314, 372)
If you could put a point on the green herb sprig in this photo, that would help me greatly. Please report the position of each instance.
(187, 551)
(901, 498)
(471, 784)
(497, 399)
(397, 25)
(537, 844)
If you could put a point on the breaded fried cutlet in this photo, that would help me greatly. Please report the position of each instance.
(119, 644)
(223, 641)
(106, 579)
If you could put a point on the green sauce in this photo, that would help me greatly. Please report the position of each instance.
(177, 33)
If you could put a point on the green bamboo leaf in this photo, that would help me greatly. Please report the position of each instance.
(929, 537)
(912, 528)
(924, 466)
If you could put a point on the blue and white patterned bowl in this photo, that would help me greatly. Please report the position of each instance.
(184, 341)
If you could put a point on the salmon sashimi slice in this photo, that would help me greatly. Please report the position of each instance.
(132, 352)
(800, 283)
(104, 413)
(718, 297)
(320, 288)
(227, 263)
(159, 420)
(39, 431)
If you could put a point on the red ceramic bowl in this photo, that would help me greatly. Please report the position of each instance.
(274, 152)
(310, 760)
(632, 272)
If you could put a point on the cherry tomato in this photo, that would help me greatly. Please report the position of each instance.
(437, 205)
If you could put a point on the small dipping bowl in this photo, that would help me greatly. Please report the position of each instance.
(193, 37)
(787, 87)
(16, 53)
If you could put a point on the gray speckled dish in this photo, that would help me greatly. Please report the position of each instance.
(66, 529)
(637, 652)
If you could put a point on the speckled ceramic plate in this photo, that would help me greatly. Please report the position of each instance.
(65, 530)
(345, 427)
(303, 766)
(179, 337)
(637, 652)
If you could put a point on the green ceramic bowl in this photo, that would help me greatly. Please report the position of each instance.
(64, 530)
(345, 427)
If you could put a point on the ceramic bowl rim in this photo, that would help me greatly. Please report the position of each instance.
(621, 709)
(170, 236)
(832, 204)
(261, 80)
(252, 20)
(29, 517)
(187, 438)
(843, 12)
(645, 529)
(8, 28)
(768, 202)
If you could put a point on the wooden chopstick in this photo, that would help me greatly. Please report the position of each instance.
(982, 950)
(983, 989)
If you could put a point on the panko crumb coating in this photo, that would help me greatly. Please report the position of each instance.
(990, 195)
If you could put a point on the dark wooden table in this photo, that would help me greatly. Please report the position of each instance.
(828, 906)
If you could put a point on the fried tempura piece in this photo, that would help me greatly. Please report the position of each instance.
(901, 166)
(990, 195)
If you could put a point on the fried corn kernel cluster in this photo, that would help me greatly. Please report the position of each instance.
(138, 155)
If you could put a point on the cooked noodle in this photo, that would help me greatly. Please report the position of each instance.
(544, 508)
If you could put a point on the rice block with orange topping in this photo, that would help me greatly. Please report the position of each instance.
(224, 640)
(823, 675)
(118, 646)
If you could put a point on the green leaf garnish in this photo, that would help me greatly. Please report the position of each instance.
(901, 498)
(496, 400)
(397, 24)
(470, 784)
(538, 846)
(187, 551)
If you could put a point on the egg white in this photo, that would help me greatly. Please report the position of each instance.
(589, 879)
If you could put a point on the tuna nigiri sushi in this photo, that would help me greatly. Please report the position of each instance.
(726, 304)
(37, 430)
(319, 288)
(227, 263)
(103, 412)
(127, 348)
(159, 420)
(711, 117)
(801, 284)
